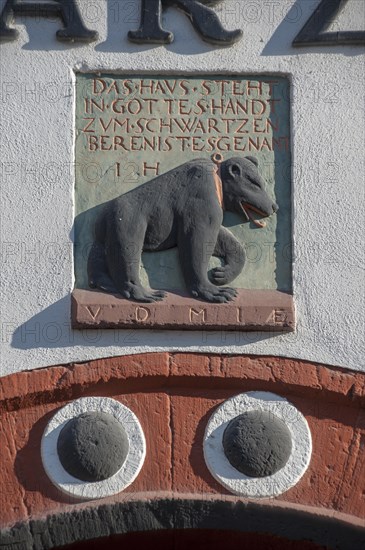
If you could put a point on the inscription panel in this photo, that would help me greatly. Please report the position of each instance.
(254, 310)
(141, 140)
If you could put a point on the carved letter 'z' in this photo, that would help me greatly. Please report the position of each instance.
(203, 19)
(66, 10)
(314, 31)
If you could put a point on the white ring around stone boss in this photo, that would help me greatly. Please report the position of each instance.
(259, 487)
(99, 489)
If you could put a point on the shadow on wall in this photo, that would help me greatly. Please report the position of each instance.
(29, 469)
(51, 329)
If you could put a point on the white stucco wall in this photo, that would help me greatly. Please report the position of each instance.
(37, 119)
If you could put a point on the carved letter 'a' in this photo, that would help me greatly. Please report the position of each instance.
(66, 10)
(204, 20)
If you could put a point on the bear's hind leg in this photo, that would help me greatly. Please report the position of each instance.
(123, 260)
(97, 271)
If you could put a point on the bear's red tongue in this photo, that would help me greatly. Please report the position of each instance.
(246, 210)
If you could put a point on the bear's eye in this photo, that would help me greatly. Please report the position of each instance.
(236, 170)
(254, 182)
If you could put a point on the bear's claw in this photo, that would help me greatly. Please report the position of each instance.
(139, 294)
(210, 293)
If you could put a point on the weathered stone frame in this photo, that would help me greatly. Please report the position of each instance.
(291, 522)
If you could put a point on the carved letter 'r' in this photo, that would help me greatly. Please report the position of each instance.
(203, 19)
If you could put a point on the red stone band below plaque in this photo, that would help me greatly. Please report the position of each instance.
(266, 310)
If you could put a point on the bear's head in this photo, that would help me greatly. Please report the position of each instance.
(244, 189)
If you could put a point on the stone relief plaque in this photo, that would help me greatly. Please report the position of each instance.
(183, 202)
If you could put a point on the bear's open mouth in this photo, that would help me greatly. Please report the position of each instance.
(245, 207)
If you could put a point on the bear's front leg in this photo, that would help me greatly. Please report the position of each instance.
(196, 242)
(233, 254)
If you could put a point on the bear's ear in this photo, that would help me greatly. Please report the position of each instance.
(235, 170)
(253, 160)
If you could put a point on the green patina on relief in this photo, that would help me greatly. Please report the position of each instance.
(128, 127)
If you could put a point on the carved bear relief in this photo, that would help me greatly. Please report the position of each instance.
(183, 202)
(182, 208)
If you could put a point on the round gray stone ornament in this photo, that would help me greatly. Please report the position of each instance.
(93, 447)
(257, 445)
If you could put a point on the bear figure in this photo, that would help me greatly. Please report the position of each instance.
(183, 208)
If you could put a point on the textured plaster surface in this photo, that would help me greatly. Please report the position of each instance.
(37, 153)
